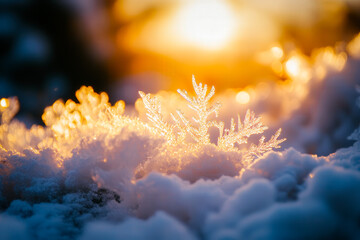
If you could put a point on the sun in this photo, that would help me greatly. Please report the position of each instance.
(206, 24)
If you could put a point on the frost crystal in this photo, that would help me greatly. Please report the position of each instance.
(94, 129)
(153, 106)
(200, 105)
(198, 127)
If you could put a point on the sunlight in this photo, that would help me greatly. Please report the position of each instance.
(206, 24)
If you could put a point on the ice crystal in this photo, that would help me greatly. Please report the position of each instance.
(67, 124)
(72, 123)
(198, 127)
(14, 136)
(71, 126)
(152, 104)
(91, 110)
(201, 106)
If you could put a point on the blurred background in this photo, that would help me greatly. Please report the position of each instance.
(295, 62)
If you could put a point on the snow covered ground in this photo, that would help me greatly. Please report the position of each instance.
(93, 173)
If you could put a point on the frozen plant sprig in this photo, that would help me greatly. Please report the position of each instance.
(200, 104)
(152, 105)
(263, 147)
(198, 127)
(228, 137)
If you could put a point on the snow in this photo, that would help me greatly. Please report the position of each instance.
(159, 226)
(93, 172)
(284, 195)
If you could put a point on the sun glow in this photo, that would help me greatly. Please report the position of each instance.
(207, 24)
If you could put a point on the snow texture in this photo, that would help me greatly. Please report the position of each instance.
(285, 195)
(94, 173)
(80, 178)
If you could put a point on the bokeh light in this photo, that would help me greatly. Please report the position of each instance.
(242, 97)
(4, 103)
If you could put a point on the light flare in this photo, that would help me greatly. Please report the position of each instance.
(207, 24)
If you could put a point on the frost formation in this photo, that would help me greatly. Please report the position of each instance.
(182, 146)
(92, 172)
(198, 127)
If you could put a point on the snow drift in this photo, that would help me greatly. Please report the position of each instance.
(93, 172)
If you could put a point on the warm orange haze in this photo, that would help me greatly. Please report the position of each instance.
(230, 43)
(179, 119)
